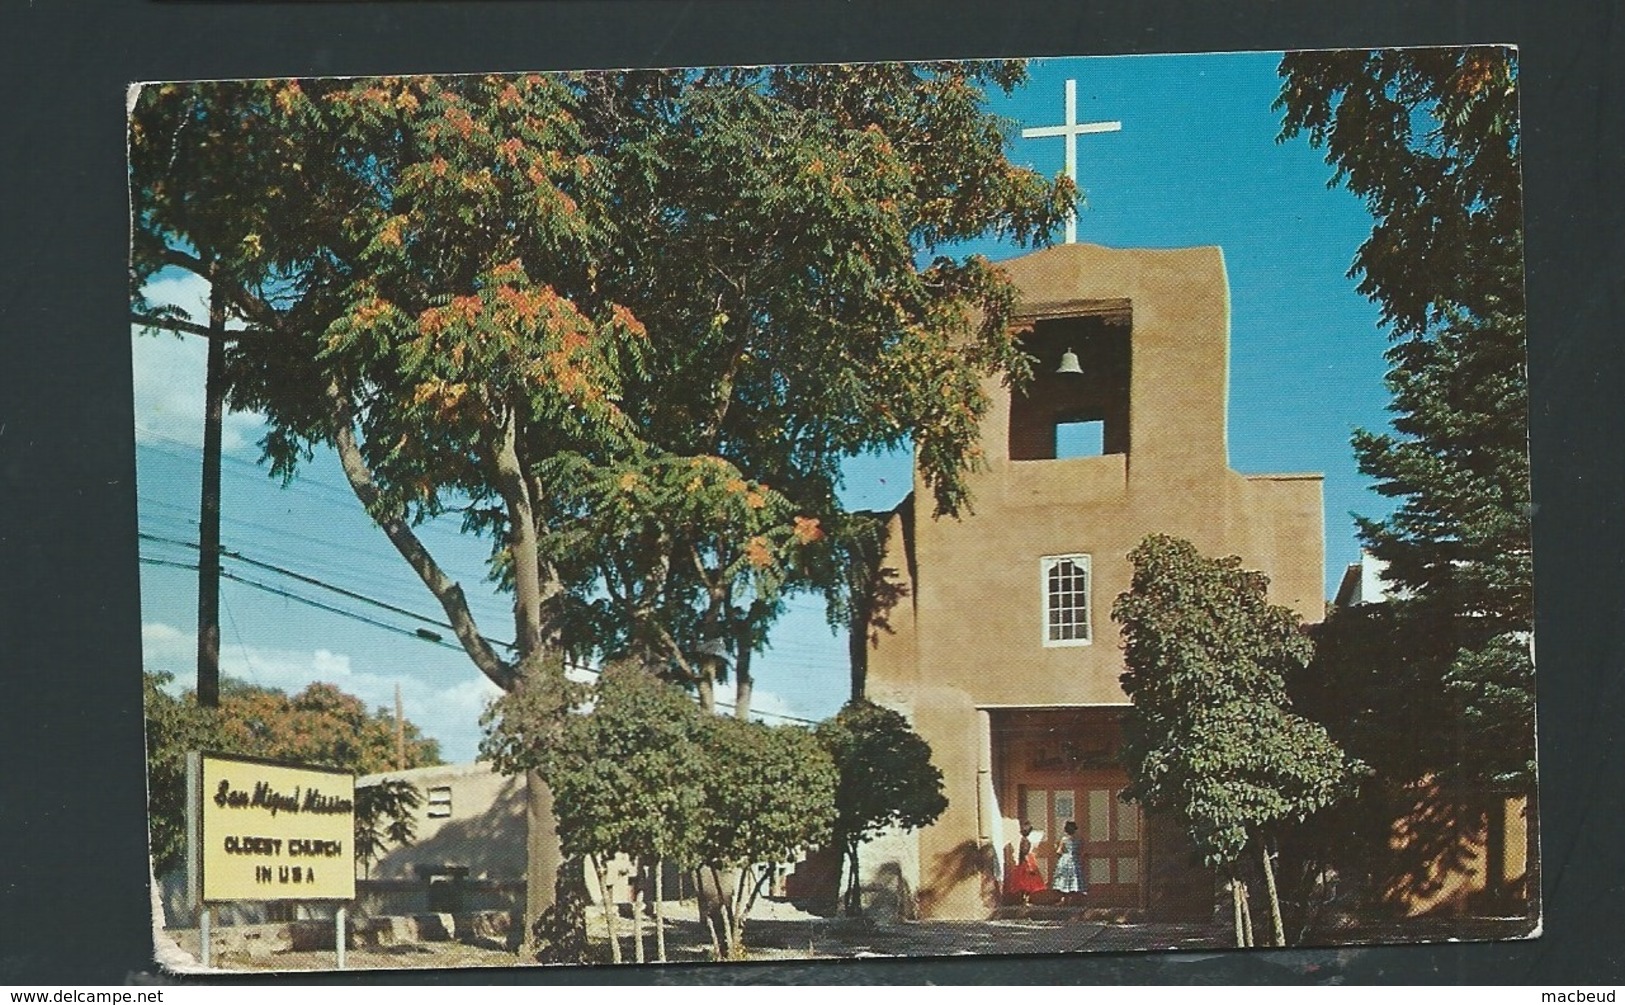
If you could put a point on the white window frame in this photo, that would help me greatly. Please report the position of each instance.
(438, 802)
(1045, 566)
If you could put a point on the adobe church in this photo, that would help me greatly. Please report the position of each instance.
(995, 636)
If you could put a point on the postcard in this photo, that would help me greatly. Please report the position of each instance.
(828, 511)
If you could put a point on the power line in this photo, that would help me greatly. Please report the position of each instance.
(302, 484)
(421, 635)
(312, 581)
(348, 563)
(182, 450)
(394, 628)
(248, 659)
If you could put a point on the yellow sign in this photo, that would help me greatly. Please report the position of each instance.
(269, 831)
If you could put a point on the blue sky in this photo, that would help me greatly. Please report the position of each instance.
(1196, 163)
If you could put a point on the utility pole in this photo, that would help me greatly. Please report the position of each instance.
(400, 732)
(208, 564)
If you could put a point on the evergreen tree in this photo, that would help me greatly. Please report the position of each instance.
(1430, 139)
(1437, 691)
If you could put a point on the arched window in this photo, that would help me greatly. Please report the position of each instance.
(1066, 600)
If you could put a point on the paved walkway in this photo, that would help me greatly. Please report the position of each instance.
(780, 935)
(779, 931)
(856, 938)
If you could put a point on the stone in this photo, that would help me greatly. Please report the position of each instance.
(437, 927)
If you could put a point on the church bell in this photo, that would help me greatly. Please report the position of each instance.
(1069, 363)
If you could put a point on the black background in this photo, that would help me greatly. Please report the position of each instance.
(73, 889)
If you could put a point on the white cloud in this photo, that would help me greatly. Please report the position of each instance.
(331, 664)
(466, 700)
(186, 290)
(156, 634)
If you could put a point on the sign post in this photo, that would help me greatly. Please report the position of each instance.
(268, 831)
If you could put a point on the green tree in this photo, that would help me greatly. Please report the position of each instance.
(385, 816)
(320, 725)
(1211, 737)
(770, 796)
(887, 781)
(696, 291)
(638, 770)
(1375, 682)
(794, 207)
(1430, 139)
(175, 725)
(626, 776)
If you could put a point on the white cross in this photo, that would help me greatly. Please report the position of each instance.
(1071, 130)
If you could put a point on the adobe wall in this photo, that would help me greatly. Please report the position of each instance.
(485, 831)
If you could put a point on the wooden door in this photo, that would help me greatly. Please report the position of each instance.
(1108, 833)
(1109, 840)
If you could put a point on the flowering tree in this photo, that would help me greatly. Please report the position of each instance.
(628, 325)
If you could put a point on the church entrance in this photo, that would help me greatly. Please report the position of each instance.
(1060, 765)
(1108, 833)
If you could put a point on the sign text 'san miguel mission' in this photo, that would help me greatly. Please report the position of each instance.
(269, 831)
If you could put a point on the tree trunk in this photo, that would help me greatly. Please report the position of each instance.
(1274, 895)
(1246, 914)
(392, 520)
(1532, 895)
(608, 905)
(713, 902)
(744, 684)
(542, 855)
(763, 879)
(530, 585)
(857, 643)
(208, 562)
(542, 846)
(637, 913)
(854, 889)
(747, 889)
(660, 911)
(706, 686)
(706, 917)
(748, 892)
(1235, 907)
(728, 917)
(736, 914)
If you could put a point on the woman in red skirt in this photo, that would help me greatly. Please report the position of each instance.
(1025, 879)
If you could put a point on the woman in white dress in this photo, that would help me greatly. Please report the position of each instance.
(1068, 879)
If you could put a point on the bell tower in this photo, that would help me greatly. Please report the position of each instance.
(1077, 404)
